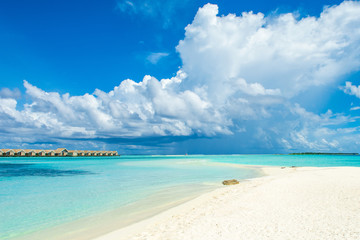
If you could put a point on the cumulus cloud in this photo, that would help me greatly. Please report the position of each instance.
(155, 57)
(239, 77)
(351, 89)
(279, 52)
(8, 93)
(148, 108)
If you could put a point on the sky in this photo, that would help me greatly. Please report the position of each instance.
(177, 77)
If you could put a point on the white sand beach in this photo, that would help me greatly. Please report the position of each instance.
(289, 203)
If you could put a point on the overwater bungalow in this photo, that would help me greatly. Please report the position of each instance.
(87, 153)
(8, 152)
(80, 153)
(72, 153)
(90, 153)
(30, 153)
(61, 152)
(40, 153)
(50, 153)
(20, 152)
(4, 151)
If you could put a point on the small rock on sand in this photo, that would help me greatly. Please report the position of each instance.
(230, 182)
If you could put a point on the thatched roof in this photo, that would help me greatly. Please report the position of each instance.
(18, 150)
(39, 151)
(59, 150)
(29, 150)
(7, 150)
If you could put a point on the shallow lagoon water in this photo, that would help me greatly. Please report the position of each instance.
(40, 193)
(290, 160)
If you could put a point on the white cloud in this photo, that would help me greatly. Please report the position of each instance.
(147, 108)
(155, 57)
(354, 108)
(351, 90)
(278, 52)
(254, 89)
(8, 93)
(239, 78)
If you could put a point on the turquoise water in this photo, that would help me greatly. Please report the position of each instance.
(39, 193)
(290, 160)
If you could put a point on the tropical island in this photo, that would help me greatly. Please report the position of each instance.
(321, 153)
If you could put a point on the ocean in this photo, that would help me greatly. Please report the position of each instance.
(40, 194)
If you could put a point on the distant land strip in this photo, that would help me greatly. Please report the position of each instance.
(321, 153)
(60, 152)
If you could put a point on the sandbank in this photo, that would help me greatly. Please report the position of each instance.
(288, 203)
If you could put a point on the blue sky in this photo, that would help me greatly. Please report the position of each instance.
(64, 45)
(274, 80)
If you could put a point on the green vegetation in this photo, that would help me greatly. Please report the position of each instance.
(321, 153)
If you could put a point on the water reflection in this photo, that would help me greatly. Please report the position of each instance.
(28, 169)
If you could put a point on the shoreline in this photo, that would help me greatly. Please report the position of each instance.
(286, 203)
(122, 217)
(110, 220)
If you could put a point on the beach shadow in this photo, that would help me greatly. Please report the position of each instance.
(27, 169)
